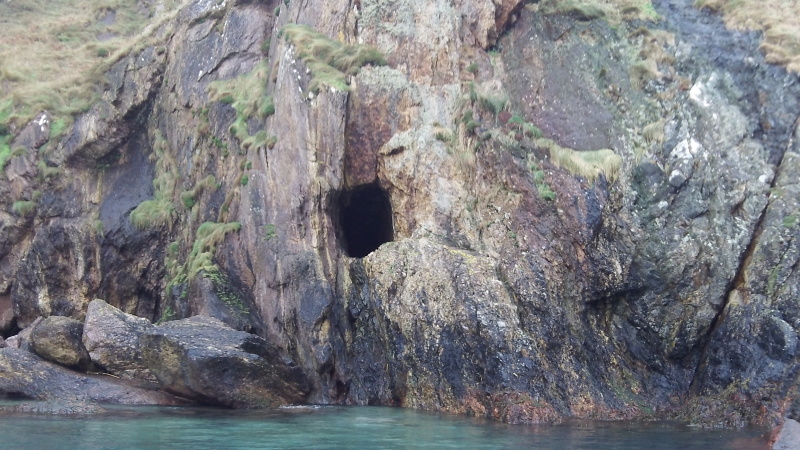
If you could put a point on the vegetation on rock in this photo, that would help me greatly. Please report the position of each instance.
(330, 62)
(54, 53)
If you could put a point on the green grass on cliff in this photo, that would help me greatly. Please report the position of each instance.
(778, 19)
(159, 211)
(612, 10)
(329, 61)
(248, 95)
(53, 53)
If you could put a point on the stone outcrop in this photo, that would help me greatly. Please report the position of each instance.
(202, 359)
(58, 339)
(24, 374)
(113, 340)
(588, 221)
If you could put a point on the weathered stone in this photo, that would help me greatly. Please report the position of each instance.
(113, 340)
(201, 358)
(58, 339)
(2, 342)
(23, 373)
(789, 436)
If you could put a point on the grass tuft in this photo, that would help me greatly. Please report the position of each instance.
(51, 55)
(24, 208)
(247, 94)
(330, 62)
(587, 164)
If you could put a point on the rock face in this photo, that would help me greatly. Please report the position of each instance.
(585, 221)
(25, 374)
(113, 340)
(200, 358)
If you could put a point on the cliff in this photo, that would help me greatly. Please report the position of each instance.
(519, 211)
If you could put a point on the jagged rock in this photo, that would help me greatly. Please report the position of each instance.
(23, 373)
(201, 358)
(55, 407)
(113, 340)
(789, 436)
(58, 339)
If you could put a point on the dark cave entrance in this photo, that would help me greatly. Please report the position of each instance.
(365, 219)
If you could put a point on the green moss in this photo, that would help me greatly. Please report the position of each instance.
(24, 208)
(330, 62)
(472, 68)
(244, 180)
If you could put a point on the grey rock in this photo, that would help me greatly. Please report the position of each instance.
(23, 373)
(113, 340)
(789, 436)
(201, 358)
(58, 339)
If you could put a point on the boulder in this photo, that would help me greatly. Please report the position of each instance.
(788, 437)
(25, 374)
(113, 340)
(58, 339)
(203, 359)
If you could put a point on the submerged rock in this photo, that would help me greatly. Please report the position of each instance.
(113, 340)
(58, 339)
(203, 359)
(25, 374)
(55, 408)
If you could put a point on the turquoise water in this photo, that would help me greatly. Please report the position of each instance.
(343, 427)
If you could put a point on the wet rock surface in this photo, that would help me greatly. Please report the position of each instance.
(202, 359)
(25, 374)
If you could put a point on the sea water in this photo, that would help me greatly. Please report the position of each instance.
(337, 427)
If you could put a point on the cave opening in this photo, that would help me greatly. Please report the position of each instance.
(365, 219)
